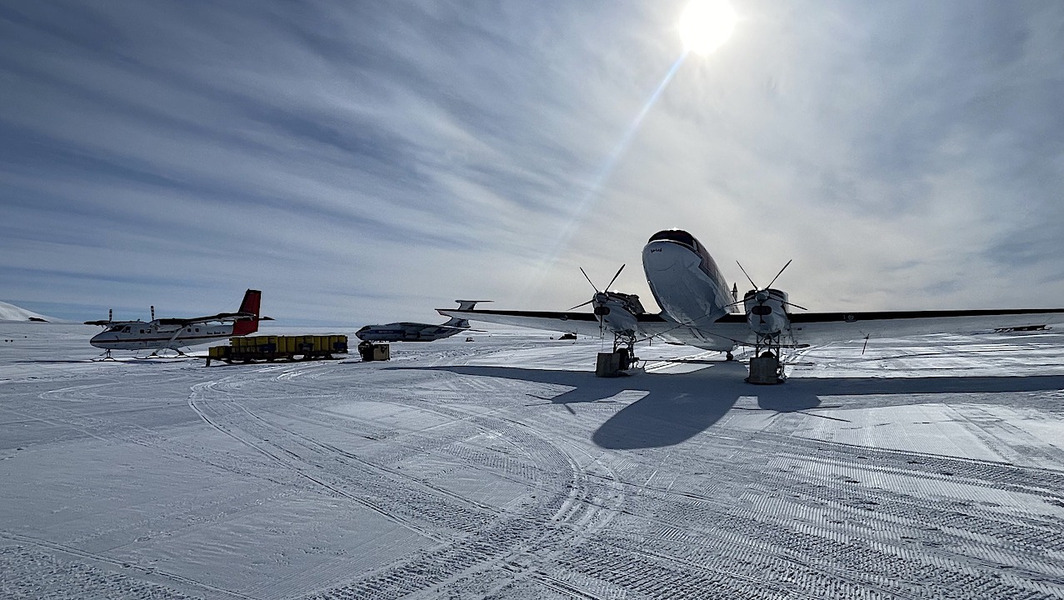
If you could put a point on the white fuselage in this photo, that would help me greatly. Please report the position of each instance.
(407, 332)
(140, 335)
(686, 283)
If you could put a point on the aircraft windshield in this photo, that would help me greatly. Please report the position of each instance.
(675, 235)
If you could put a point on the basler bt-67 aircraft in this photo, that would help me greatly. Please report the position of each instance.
(699, 309)
(174, 334)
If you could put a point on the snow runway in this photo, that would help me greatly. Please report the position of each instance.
(923, 467)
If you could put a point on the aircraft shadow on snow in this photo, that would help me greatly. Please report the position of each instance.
(678, 406)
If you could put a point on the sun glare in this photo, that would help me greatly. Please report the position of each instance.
(706, 24)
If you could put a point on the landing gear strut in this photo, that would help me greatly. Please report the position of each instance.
(614, 364)
(105, 356)
(765, 366)
(625, 342)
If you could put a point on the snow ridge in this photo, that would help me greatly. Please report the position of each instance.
(10, 312)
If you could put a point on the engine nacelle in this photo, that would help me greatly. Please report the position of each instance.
(617, 311)
(766, 311)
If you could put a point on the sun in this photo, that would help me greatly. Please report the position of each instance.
(706, 24)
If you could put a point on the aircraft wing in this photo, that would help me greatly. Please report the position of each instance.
(110, 323)
(820, 328)
(721, 335)
(563, 322)
(809, 328)
(233, 316)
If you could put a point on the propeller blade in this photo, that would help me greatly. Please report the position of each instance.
(584, 304)
(747, 276)
(796, 306)
(588, 279)
(614, 279)
(780, 273)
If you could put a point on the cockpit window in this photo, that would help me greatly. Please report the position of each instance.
(675, 235)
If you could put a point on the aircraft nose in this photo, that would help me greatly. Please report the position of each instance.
(664, 256)
(100, 340)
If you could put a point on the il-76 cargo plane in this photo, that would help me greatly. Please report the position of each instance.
(699, 309)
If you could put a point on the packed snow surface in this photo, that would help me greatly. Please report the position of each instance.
(916, 468)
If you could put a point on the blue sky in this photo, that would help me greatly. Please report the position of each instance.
(370, 161)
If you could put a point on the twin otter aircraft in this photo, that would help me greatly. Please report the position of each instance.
(174, 334)
(699, 309)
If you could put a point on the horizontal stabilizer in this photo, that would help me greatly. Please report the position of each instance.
(468, 304)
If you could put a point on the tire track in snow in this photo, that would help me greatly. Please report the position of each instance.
(285, 446)
(562, 507)
(287, 462)
(113, 584)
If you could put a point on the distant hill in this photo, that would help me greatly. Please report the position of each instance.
(10, 312)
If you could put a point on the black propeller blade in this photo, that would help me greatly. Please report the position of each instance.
(618, 274)
(762, 293)
(780, 273)
(752, 284)
(599, 296)
(582, 304)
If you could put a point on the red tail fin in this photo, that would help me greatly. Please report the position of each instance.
(252, 298)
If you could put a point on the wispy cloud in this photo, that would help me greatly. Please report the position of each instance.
(384, 159)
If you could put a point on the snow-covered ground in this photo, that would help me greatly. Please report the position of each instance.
(502, 468)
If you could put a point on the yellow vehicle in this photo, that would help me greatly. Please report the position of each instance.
(279, 347)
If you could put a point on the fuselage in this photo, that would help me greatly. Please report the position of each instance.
(406, 332)
(143, 335)
(685, 281)
(687, 285)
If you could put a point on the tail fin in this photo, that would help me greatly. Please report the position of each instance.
(459, 322)
(468, 304)
(250, 305)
